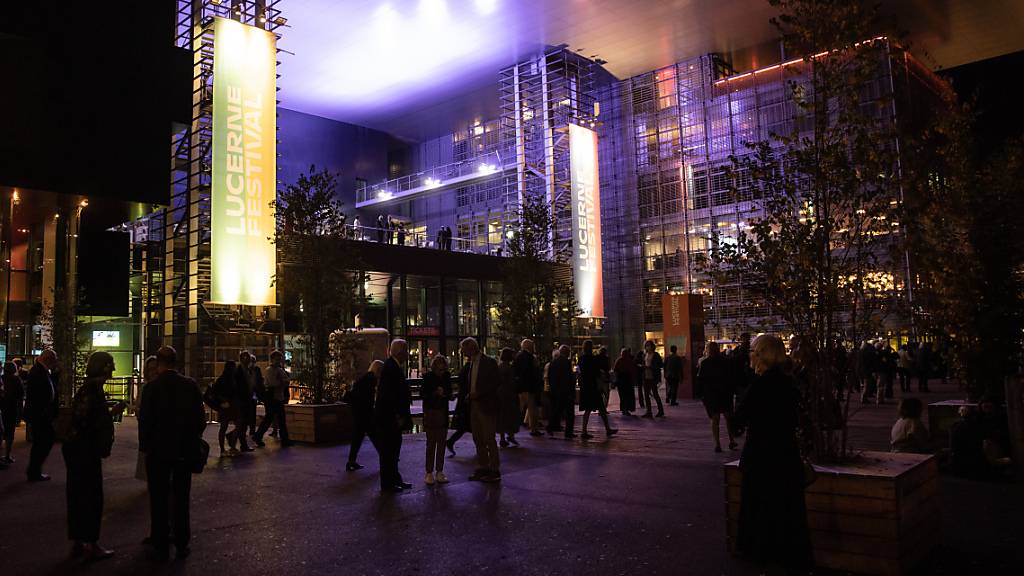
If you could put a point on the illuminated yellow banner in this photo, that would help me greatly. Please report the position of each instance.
(243, 259)
(586, 222)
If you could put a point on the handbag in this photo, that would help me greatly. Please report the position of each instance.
(197, 459)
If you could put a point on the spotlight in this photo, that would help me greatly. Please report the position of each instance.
(263, 18)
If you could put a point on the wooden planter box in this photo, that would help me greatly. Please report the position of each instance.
(879, 515)
(319, 423)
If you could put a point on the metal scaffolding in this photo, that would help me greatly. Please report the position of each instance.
(171, 248)
(540, 97)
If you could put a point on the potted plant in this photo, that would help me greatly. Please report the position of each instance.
(824, 248)
(315, 274)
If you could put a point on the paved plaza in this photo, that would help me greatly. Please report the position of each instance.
(648, 502)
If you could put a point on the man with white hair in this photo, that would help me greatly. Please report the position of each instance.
(528, 384)
(482, 377)
(391, 413)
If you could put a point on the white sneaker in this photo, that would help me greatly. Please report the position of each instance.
(429, 479)
(441, 478)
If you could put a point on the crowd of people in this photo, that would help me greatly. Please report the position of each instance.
(754, 388)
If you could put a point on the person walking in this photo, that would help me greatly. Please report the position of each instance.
(220, 396)
(715, 389)
(11, 400)
(242, 401)
(482, 377)
(604, 367)
(40, 411)
(510, 416)
(563, 394)
(528, 384)
(171, 424)
(392, 416)
(590, 391)
(638, 377)
(435, 392)
(673, 375)
(361, 399)
(275, 399)
(652, 378)
(89, 441)
(773, 518)
(625, 372)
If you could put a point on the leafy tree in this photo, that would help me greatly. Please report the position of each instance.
(316, 267)
(821, 242)
(535, 303)
(967, 241)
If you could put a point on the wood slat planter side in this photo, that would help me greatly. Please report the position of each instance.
(319, 423)
(878, 515)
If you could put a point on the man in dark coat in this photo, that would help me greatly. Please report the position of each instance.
(482, 381)
(673, 374)
(171, 423)
(563, 393)
(392, 416)
(528, 384)
(40, 410)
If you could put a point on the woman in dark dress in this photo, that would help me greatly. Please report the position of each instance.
(89, 441)
(12, 397)
(509, 415)
(715, 389)
(589, 367)
(625, 373)
(360, 398)
(435, 392)
(773, 517)
(223, 402)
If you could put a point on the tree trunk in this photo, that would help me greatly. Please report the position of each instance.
(1015, 419)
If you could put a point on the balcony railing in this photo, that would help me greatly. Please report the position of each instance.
(418, 240)
(436, 179)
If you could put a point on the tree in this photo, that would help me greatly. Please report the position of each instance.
(535, 304)
(821, 241)
(316, 267)
(967, 241)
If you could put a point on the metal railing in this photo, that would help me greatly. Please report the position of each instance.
(417, 240)
(436, 178)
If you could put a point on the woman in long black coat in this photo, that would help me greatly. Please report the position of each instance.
(360, 398)
(88, 443)
(773, 517)
(715, 389)
(625, 374)
(589, 367)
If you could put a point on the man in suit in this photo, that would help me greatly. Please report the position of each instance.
(483, 378)
(391, 416)
(528, 384)
(673, 374)
(171, 423)
(40, 410)
(563, 393)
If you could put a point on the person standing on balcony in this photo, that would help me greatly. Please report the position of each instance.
(382, 226)
(401, 233)
(357, 233)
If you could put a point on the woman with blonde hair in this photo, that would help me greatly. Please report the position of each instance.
(773, 518)
(88, 443)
